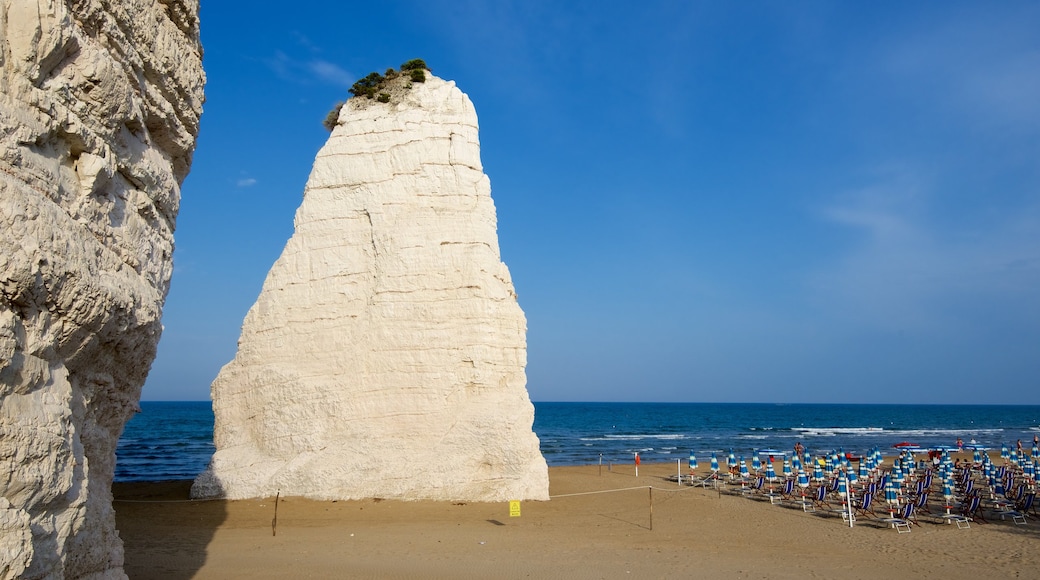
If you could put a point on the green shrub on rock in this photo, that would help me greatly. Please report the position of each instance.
(415, 64)
(333, 117)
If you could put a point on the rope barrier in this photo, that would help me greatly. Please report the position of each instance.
(673, 490)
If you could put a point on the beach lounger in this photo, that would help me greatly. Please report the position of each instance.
(777, 497)
(1020, 513)
(921, 505)
(904, 520)
(754, 488)
(865, 505)
(972, 511)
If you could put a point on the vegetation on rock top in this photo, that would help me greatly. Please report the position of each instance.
(376, 86)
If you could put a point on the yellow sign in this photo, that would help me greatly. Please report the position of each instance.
(514, 509)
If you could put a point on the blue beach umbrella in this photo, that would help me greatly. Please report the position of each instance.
(808, 460)
(1035, 452)
(770, 472)
(829, 463)
(1028, 470)
(756, 463)
(693, 462)
(796, 463)
(864, 471)
(843, 489)
(731, 460)
(897, 478)
(817, 472)
(1004, 453)
(976, 457)
(803, 480)
(743, 468)
(787, 469)
(714, 463)
(948, 493)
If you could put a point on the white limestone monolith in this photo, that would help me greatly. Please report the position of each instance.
(385, 355)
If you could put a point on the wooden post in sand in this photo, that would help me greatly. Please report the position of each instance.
(274, 522)
(651, 488)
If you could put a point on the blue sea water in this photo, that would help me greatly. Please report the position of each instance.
(170, 440)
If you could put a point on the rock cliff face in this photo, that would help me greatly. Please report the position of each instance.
(99, 110)
(385, 355)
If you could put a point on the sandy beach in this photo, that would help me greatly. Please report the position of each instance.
(692, 531)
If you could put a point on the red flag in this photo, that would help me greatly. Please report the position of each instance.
(637, 459)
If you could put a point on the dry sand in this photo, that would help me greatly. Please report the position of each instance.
(692, 532)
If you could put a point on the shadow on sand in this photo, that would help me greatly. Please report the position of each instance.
(165, 534)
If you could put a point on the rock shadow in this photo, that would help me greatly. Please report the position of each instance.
(165, 533)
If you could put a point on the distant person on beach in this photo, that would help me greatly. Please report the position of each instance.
(799, 448)
(1020, 447)
(960, 443)
(1036, 441)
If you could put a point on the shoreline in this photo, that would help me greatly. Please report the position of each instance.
(598, 524)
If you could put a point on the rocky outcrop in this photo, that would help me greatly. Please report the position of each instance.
(99, 110)
(385, 355)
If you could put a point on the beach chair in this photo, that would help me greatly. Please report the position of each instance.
(819, 498)
(973, 510)
(904, 520)
(865, 505)
(1020, 513)
(928, 480)
(754, 488)
(921, 504)
(785, 492)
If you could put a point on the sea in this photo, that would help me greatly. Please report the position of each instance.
(174, 440)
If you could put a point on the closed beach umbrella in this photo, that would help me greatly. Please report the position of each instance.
(756, 463)
(976, 457)
(1028, 470)
(897, 478)
(770, 472)
(796, 463)
(843, 489)
(807, 460)
(1004, 453)
(693, 462)
(714, 463)
(890, 492)
(817, 472)
(829, 463)
(743, 468)
(731, 460)
(948, 493)
(864, 472)
(787, 468)
(803, 480)
(1036, 452)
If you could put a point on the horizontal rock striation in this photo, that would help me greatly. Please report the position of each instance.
(99, 111)
(385, 355)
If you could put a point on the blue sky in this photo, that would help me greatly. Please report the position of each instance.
(698, 201)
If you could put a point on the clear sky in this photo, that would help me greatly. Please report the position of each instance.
(698, 201)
